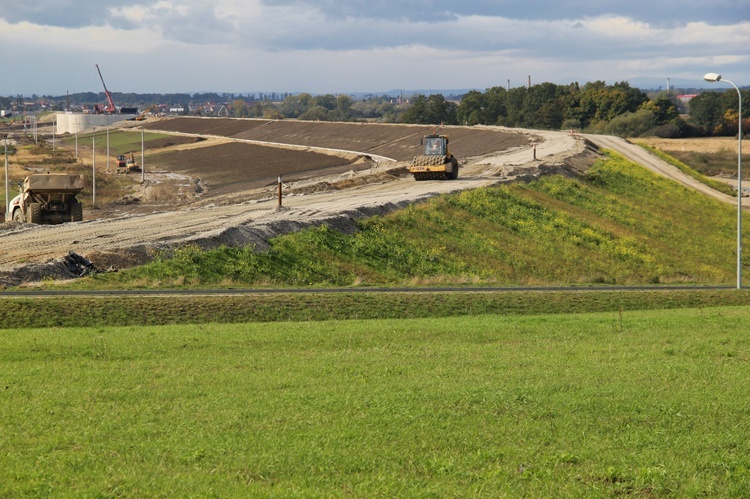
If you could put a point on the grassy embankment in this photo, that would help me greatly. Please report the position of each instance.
(619, 225)
(645, 404)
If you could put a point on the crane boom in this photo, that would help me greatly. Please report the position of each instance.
(110, 103)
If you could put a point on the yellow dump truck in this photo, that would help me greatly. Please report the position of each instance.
(437, 162)
(48, 198)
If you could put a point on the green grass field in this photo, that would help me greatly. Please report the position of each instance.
(644, 403)
(120, 142)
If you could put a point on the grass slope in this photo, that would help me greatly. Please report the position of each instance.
(643, 404)
(620, 224)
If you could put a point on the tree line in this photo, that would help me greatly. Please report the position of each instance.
(595, 107)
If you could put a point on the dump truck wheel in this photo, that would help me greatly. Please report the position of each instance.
(18, 216)
(76, 212)
(35, 213)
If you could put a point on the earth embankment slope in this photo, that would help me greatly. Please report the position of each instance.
(239, 214)
(29, 252)
(488, 154)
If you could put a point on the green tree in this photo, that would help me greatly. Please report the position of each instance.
(473, 109)
(514, 107)
(344, 107)
(315, 113)
(327, 101)
(707, 111)
(294, 105)
(496, 105)
(240, 109)
(432, 110)
(416, 113)
(663, 110)
(542, 106)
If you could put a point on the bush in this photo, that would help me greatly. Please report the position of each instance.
(667, 131)
(631, 124)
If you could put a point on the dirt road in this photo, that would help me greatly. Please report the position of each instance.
(29, 253)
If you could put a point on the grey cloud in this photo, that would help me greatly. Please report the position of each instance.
(60, 13)
(657, 13)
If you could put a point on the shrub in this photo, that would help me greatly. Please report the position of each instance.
(668, 131)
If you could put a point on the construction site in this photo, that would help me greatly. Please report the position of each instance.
(215, 181)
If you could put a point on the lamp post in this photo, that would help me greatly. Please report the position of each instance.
(714, 77)
(7, 190)
(93, 168)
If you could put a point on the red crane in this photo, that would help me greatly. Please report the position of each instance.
(110, 103)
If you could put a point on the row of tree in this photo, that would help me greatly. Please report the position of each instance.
(327, 107)
(596, 107)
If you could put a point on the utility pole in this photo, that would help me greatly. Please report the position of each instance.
(143, 158)
(108, 156)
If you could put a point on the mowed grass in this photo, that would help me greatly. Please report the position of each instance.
(618, 224)
(647, 404)
(120, 142)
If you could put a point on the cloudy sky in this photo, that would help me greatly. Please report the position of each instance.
(338, 46)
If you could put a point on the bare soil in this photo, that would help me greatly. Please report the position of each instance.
(398, 142)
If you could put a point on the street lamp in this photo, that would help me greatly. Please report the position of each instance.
(7, 191)
(714, 77)
(93, 167)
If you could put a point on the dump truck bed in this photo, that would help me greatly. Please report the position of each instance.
(54, 182)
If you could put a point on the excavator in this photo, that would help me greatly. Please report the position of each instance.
(127, 163)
